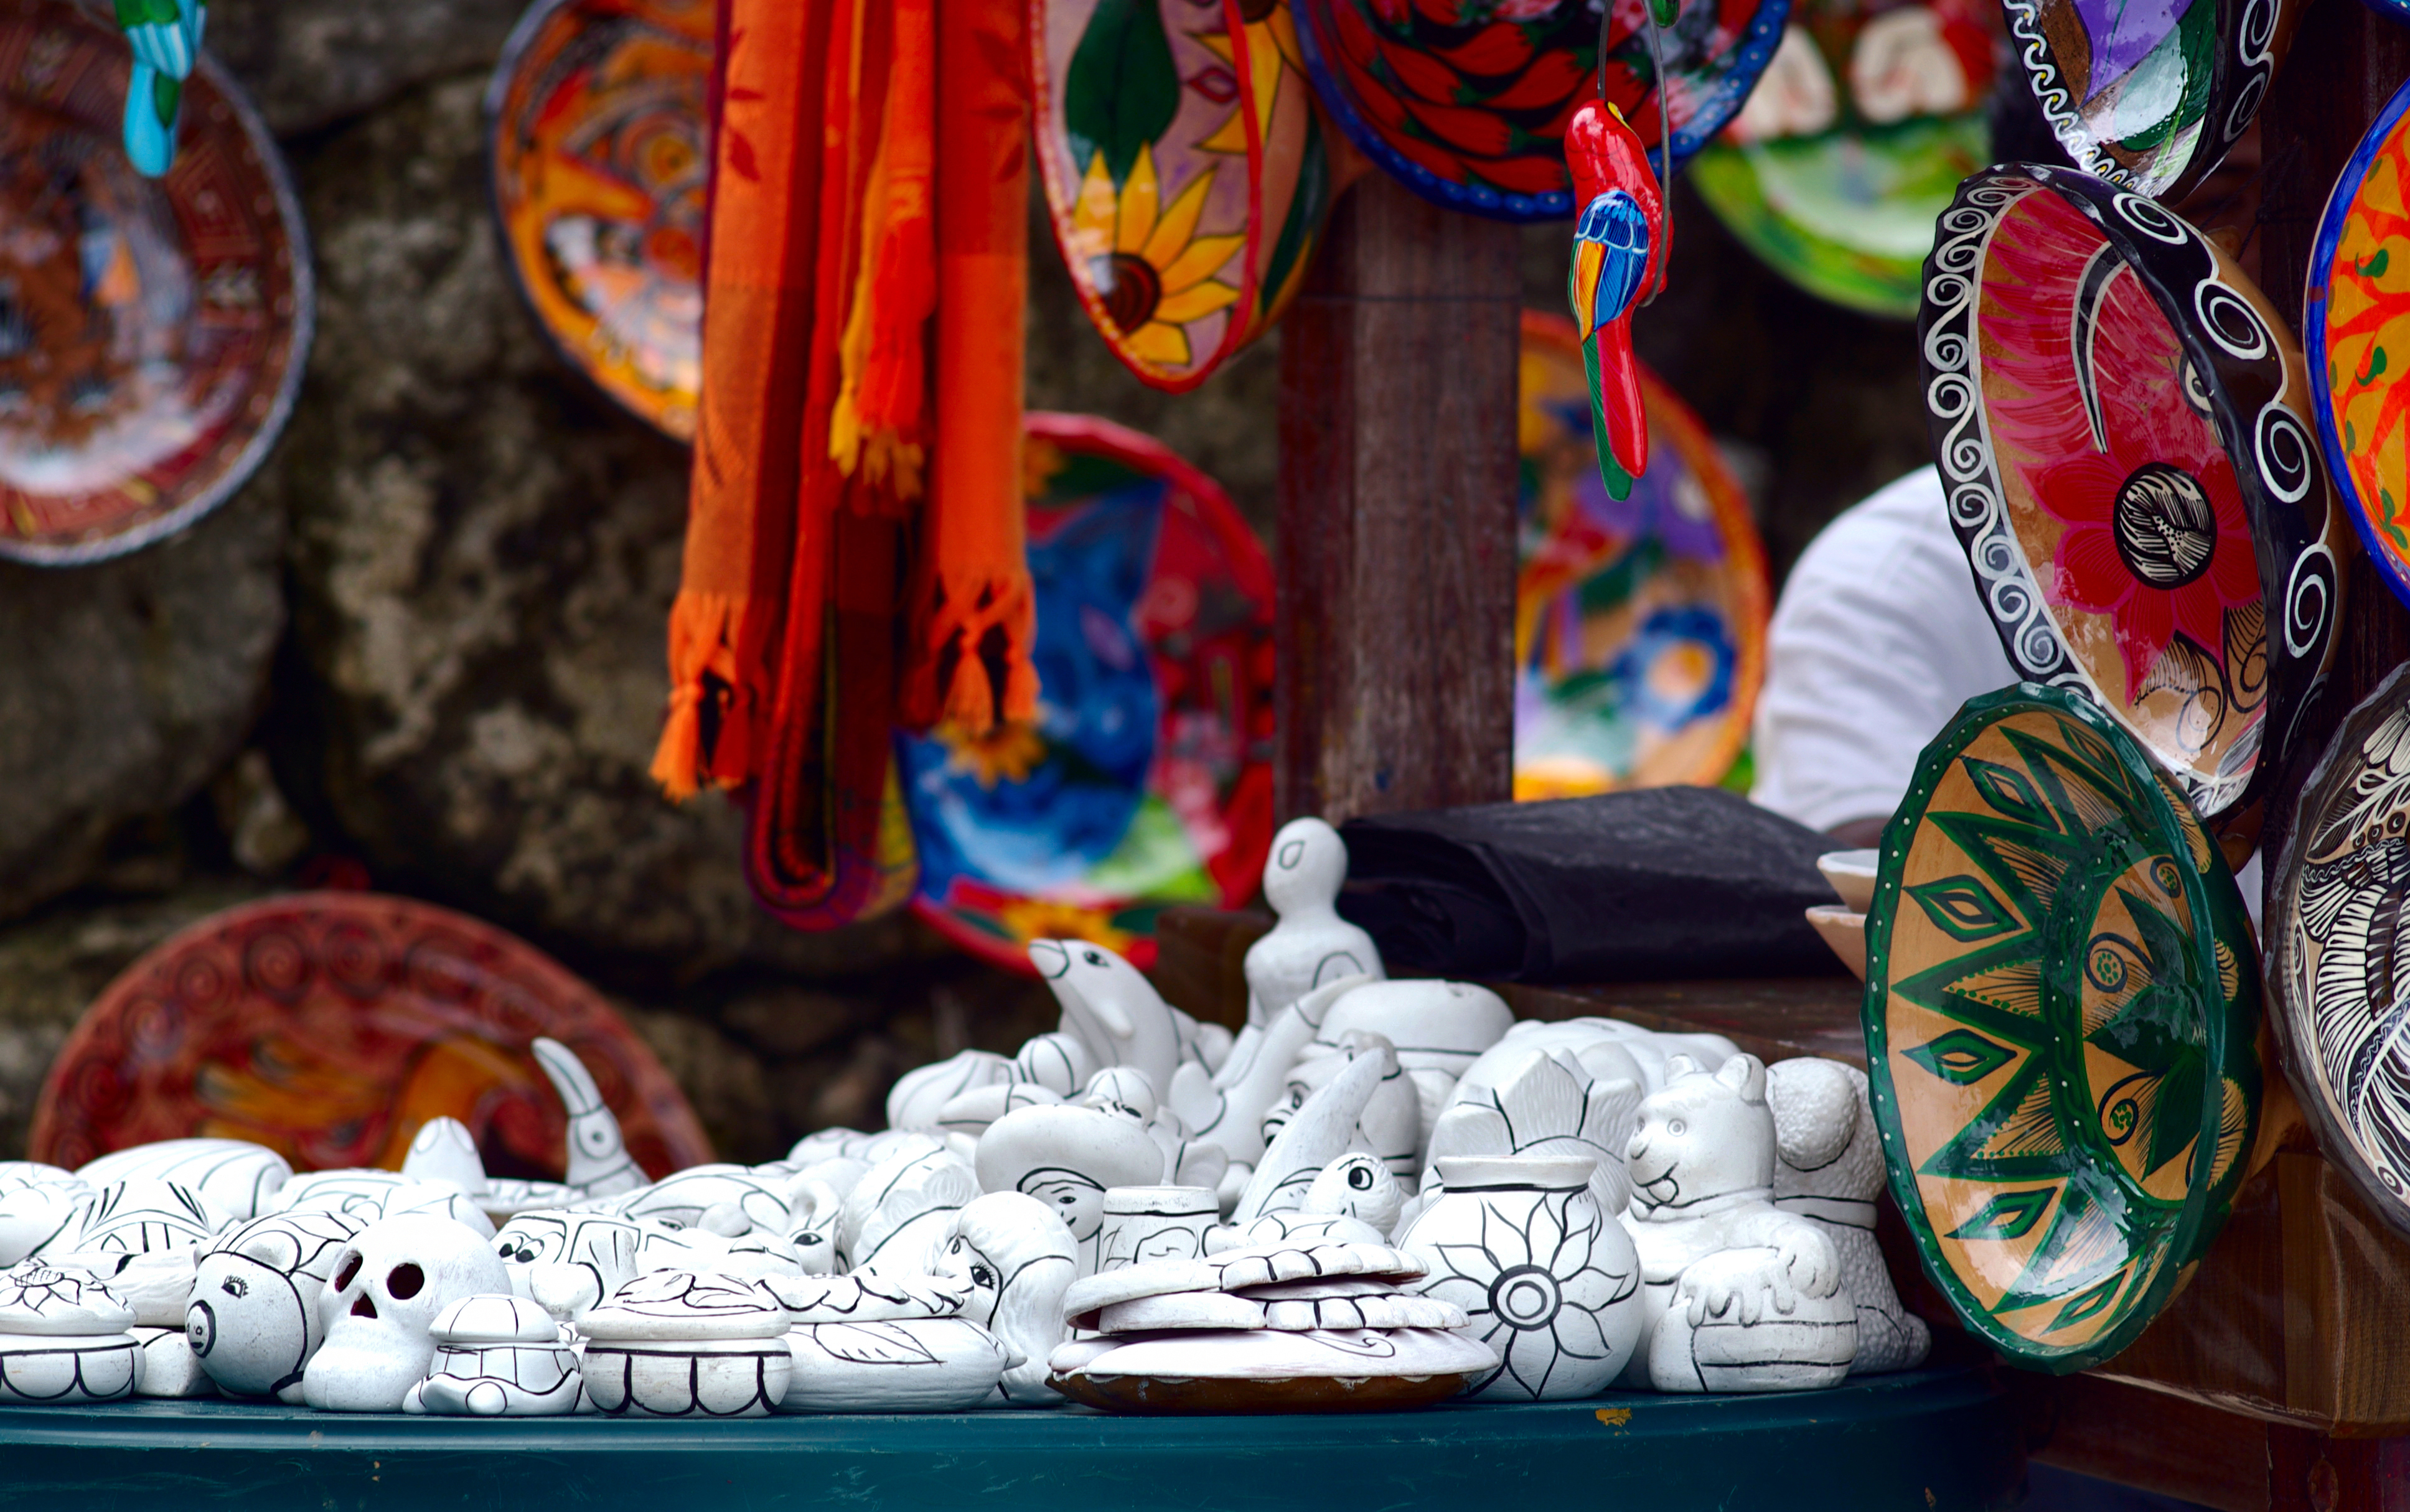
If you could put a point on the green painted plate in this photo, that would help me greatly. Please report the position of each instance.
(2061, 1008)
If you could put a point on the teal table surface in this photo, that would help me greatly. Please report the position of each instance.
(1926, 1441)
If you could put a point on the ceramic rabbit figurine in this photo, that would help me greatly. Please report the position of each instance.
(1829, 1169)
(1765, 1309)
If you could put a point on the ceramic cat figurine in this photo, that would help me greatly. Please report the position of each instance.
(1829, 1169)
(1702, 1168)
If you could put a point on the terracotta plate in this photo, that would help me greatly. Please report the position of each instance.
(1639, 625)
(2120, 422)
(153, 332)
(2150, 97)
(1147, 778)
(2355, 324)
(598, 118)
(1466, 101)
(2061, 1003)
(330, 1025)
(1187, 174)
(2340, 985)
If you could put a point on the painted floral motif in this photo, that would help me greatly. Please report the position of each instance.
(1146, 259)
(2358, 332)
(1526, 1272)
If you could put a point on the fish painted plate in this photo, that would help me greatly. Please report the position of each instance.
(2150, 97)
(2061, 1011)
(1146, 779)
(330, 1025)
(2356, 325)
(153, 332)
(1187, 174)
(1466, 101)
(2121, 424)
(597, 115)
(1639, 624)
(2338, 984)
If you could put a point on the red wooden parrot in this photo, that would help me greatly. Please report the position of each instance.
(1619, 247)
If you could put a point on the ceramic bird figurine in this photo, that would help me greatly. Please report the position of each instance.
(1618, 262)
(166, 36)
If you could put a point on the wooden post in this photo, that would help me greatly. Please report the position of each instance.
(1397, 513)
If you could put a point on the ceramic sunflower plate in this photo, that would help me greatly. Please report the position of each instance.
(1146, 779)
(2340, 986)
(1186, 173)
(330, 1026)
(153, 332)
(2061, 1003)
(2355, 324)
(2120, 425)
(1466, 101)
(2150, 97)
(1639, 624)
(597, 115)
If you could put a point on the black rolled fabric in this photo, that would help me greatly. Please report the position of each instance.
(1659, 884)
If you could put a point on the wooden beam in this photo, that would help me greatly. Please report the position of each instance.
(1397, 513)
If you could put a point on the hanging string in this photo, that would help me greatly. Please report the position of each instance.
(1665, 111)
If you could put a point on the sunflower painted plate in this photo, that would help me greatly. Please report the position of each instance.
(153, 332)
(2150, 97)
(2062, 999)
(1187, 175)
(1639, 625)
(330, 1025)
(2355, 324)
(1147, 779)
(597, 115)
(2120, 424)
(1466, 101)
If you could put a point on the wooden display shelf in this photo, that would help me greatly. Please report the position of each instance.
(1929, 1441)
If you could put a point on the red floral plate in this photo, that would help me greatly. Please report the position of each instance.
(153, 332)
(598, 118)
(2121, 423)
(330, 1025)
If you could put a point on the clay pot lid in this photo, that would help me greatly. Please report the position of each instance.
(43, 1300)
(686, 1305)
(2062, 999)
(2121, 423)
(494, 1318)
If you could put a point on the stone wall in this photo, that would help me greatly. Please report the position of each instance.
(425, 649)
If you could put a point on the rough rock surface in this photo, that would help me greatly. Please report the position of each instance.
(125, 686)
(311, 63)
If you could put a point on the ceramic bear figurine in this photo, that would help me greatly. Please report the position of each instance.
(1017, 1259)
(390, 1282)
(1829, 1169)
(1702, 1168)
(253, 1320)
(1311, 945)
(1118, 1016)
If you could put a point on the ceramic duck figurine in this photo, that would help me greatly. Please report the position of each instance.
(166, 36)
(1618, 263)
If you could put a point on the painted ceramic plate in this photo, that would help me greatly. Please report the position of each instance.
(1639, 625)
(2119, 419)
(330, 1026)
(153, 332)
(2336, 901)
(1185, 170)
(2355, 323)
(2061, 1002)
(1466, 101)
(598, 114)
(2151, 97)
(1147, 778)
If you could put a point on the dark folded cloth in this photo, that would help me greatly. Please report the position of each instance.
(1661, 882)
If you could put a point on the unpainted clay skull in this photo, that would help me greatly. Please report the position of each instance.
(388, 1285)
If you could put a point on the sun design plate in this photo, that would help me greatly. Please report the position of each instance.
(2061, 996)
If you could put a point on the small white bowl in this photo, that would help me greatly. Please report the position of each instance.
(1846, 932)
(1851, 874)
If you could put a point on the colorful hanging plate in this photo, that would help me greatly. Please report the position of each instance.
(2356, 319)
(2118, 418)
(2150, 97)
(2062, 999)
(153, 332)
(1639, 625)
(1466, 101)
(1147, 778)
(330, 1026)
(2338, 979)
(598, 116)
(1185, 171)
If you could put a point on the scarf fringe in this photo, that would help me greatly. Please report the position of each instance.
(704, 630)
(949, 680)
